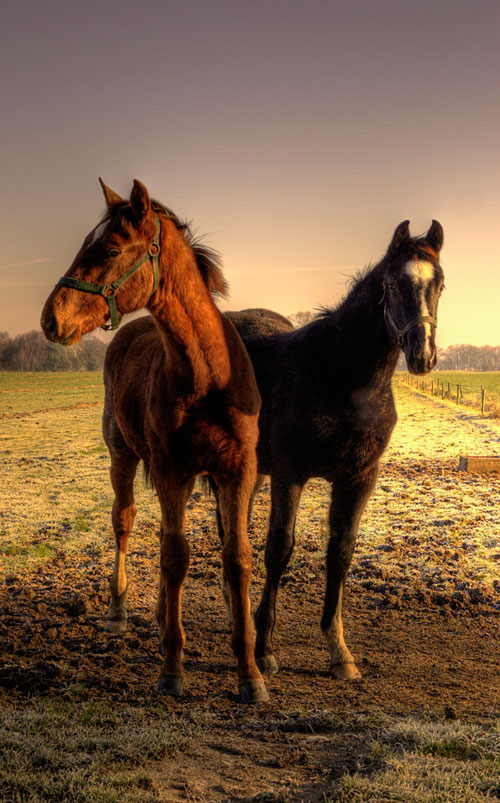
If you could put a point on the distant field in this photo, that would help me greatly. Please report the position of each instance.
(27, 392)
(470, 382)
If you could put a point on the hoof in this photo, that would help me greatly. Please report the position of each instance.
(116, 625)
(267, 664)
(253, 691)
(345, 671)
(171, 684)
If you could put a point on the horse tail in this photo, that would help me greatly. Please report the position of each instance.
(146, 474)
(203, 484)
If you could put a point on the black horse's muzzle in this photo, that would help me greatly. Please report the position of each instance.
(418, 344)
(419, 348)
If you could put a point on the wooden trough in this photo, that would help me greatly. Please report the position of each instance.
(479, 465)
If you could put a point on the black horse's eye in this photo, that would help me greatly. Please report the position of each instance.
(113, 252)
(393, 286)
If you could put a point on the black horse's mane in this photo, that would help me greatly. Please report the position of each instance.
(359, 282)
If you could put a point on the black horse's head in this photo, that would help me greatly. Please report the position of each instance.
(413, 283)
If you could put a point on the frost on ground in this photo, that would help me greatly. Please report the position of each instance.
(420, 613)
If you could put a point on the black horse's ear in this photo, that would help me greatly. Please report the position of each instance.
(112, 197)
(435, 236)
(400, 236)
(139, 200)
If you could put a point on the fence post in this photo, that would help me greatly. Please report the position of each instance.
(483, 393)
(442, 390)
(458, 393)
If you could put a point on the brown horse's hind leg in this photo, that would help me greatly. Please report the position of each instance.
(237, 562)
(285, 497)
(174, 563)
(123, 468)
(347, 505)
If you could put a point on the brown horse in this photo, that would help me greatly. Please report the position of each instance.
(180, 395)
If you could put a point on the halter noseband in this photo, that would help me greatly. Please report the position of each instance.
(401, 333)
(108, 291)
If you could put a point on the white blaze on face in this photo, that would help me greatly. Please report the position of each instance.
(97, 233)
(422, 274)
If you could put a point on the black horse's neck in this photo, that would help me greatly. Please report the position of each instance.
(355, 336)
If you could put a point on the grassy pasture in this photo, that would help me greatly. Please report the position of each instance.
(29, 392)
(471, 383)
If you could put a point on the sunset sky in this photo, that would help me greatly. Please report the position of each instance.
(296, 135)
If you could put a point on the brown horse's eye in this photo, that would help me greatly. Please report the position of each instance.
(442, 288)
(113, 252)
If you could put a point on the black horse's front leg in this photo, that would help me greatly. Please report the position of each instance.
(347, 505)
(285, 497)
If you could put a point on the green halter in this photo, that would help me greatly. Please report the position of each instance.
(108, 291)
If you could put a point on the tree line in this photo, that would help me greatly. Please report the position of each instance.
(469, 358)
(32, 352)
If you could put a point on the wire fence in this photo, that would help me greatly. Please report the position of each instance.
(475, 395)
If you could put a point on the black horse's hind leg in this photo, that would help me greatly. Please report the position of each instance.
(347, 505)
(215, 489)
(285, 497)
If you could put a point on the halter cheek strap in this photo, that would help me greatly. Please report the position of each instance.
(109, 291)
(401, 333)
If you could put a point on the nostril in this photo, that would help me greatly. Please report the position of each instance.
(418, 351)
(49, 327)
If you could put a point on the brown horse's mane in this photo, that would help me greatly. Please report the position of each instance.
(208, 260)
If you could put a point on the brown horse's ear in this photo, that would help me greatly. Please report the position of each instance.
(112, 197)
(400, 236)
(139, 200)
(435, 236)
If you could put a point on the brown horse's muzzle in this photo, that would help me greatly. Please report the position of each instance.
(58, 331)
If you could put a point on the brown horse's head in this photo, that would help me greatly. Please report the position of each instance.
(123, 238)
(414, 280)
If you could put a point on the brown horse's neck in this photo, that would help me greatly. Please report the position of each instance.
(189, 323)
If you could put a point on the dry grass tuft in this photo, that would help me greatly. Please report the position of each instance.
(412, 761)
(87, 753)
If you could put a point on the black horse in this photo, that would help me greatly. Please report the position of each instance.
(328, 410)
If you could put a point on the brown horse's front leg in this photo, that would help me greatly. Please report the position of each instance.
(174, 563)
(347, 505)
(237, 562)
(226, 592)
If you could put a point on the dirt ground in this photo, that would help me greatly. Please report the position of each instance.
(421, 617)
